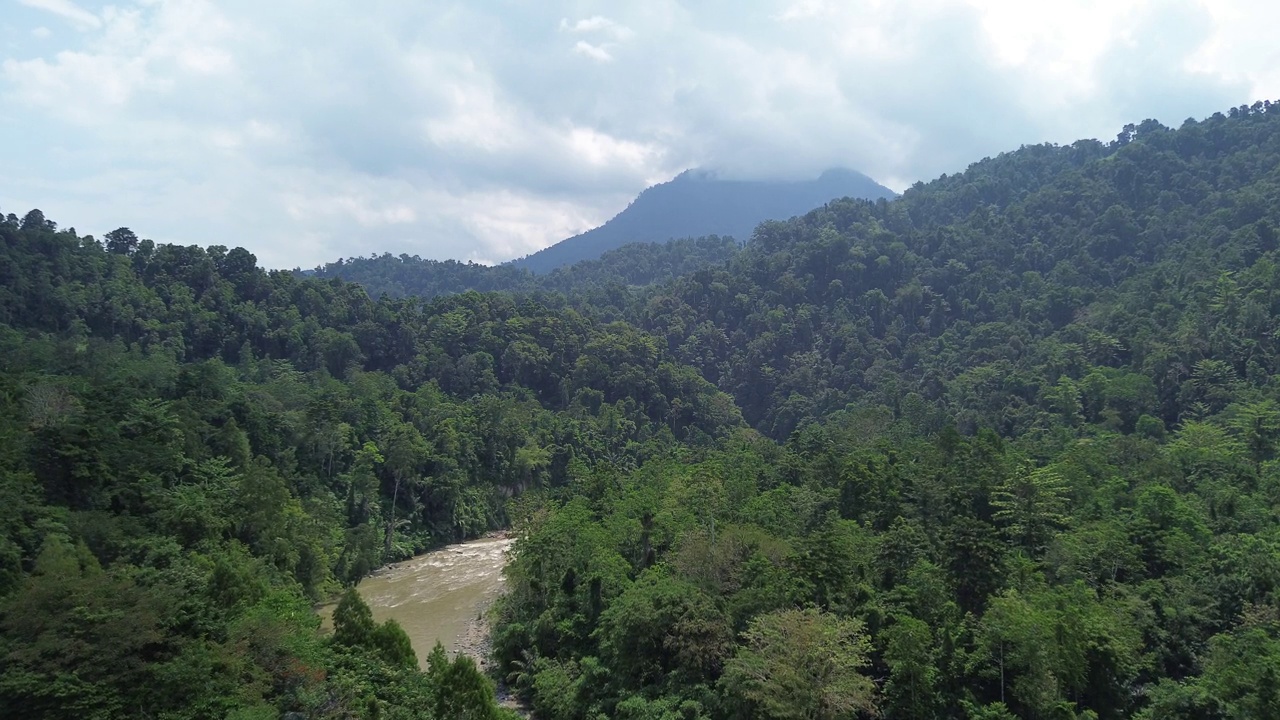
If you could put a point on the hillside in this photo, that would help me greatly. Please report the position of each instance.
(1006, 446)
(1028, 462)
(956, 294)
(636, 264)
(193, 450)
(696, 204)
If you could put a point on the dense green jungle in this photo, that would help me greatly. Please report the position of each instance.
(1003, 447)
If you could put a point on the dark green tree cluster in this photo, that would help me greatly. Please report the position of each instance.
(863, 568)
(411, 276)
(632, 265)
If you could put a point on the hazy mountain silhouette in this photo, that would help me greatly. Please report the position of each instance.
(697, 203)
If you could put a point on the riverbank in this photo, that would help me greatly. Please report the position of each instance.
(444, 596)
(441, 596)
(476, 641)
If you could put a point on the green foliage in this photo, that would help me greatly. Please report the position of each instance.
(910, 653)
(183, 435)
(461, 690)
(393, 645)
(1030, 505)
(353, 623)
(633, 264)
(1242, 669)
(663, 630)
(1026, 422)
(1012, 453)
(801, 664)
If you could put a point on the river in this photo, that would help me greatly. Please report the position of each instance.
(439, 596)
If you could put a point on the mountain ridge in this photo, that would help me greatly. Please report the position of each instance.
(1005, 447)
(698, 203)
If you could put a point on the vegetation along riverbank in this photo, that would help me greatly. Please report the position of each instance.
(1007, 445)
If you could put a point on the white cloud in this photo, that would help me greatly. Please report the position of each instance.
(370, 212)
(597, 24)
(76, 85)
(308, 131)
(41, 32)
(804, 9)
(472, 116)
(602, 150)
(595, 52)
(132, 53)
(600, 26)
(66, 10)
(1239, 50)
(503, 219)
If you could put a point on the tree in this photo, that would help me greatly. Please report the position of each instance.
(1258, 425)
(406, 454)
(1059, 650)
(1030, 505)
(912, 688)
(392, 643)
(354, 627)
(34, 220)
(1242, 669)
(353, 623)
(461, 690)
(121, 241)
(802, 664)
(661, 627)
(77, 640)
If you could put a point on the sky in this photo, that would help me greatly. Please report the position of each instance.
(485, 130)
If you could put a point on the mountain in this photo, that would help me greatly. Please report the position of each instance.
(697, 203)
(1025, 459)
(954, 296)
(702, 213)
(1006, 446)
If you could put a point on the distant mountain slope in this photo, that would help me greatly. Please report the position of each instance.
(696, 203)
(634, 264)
(410, 275)
(1155, 255)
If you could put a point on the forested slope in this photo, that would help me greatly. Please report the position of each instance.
(1146, 263)
(1029, 465)
(1005, 446)
(191, 449)
(636, 264)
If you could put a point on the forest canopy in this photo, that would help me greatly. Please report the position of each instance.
(1005, 446)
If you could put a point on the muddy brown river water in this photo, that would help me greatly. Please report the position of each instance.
(439, 596)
